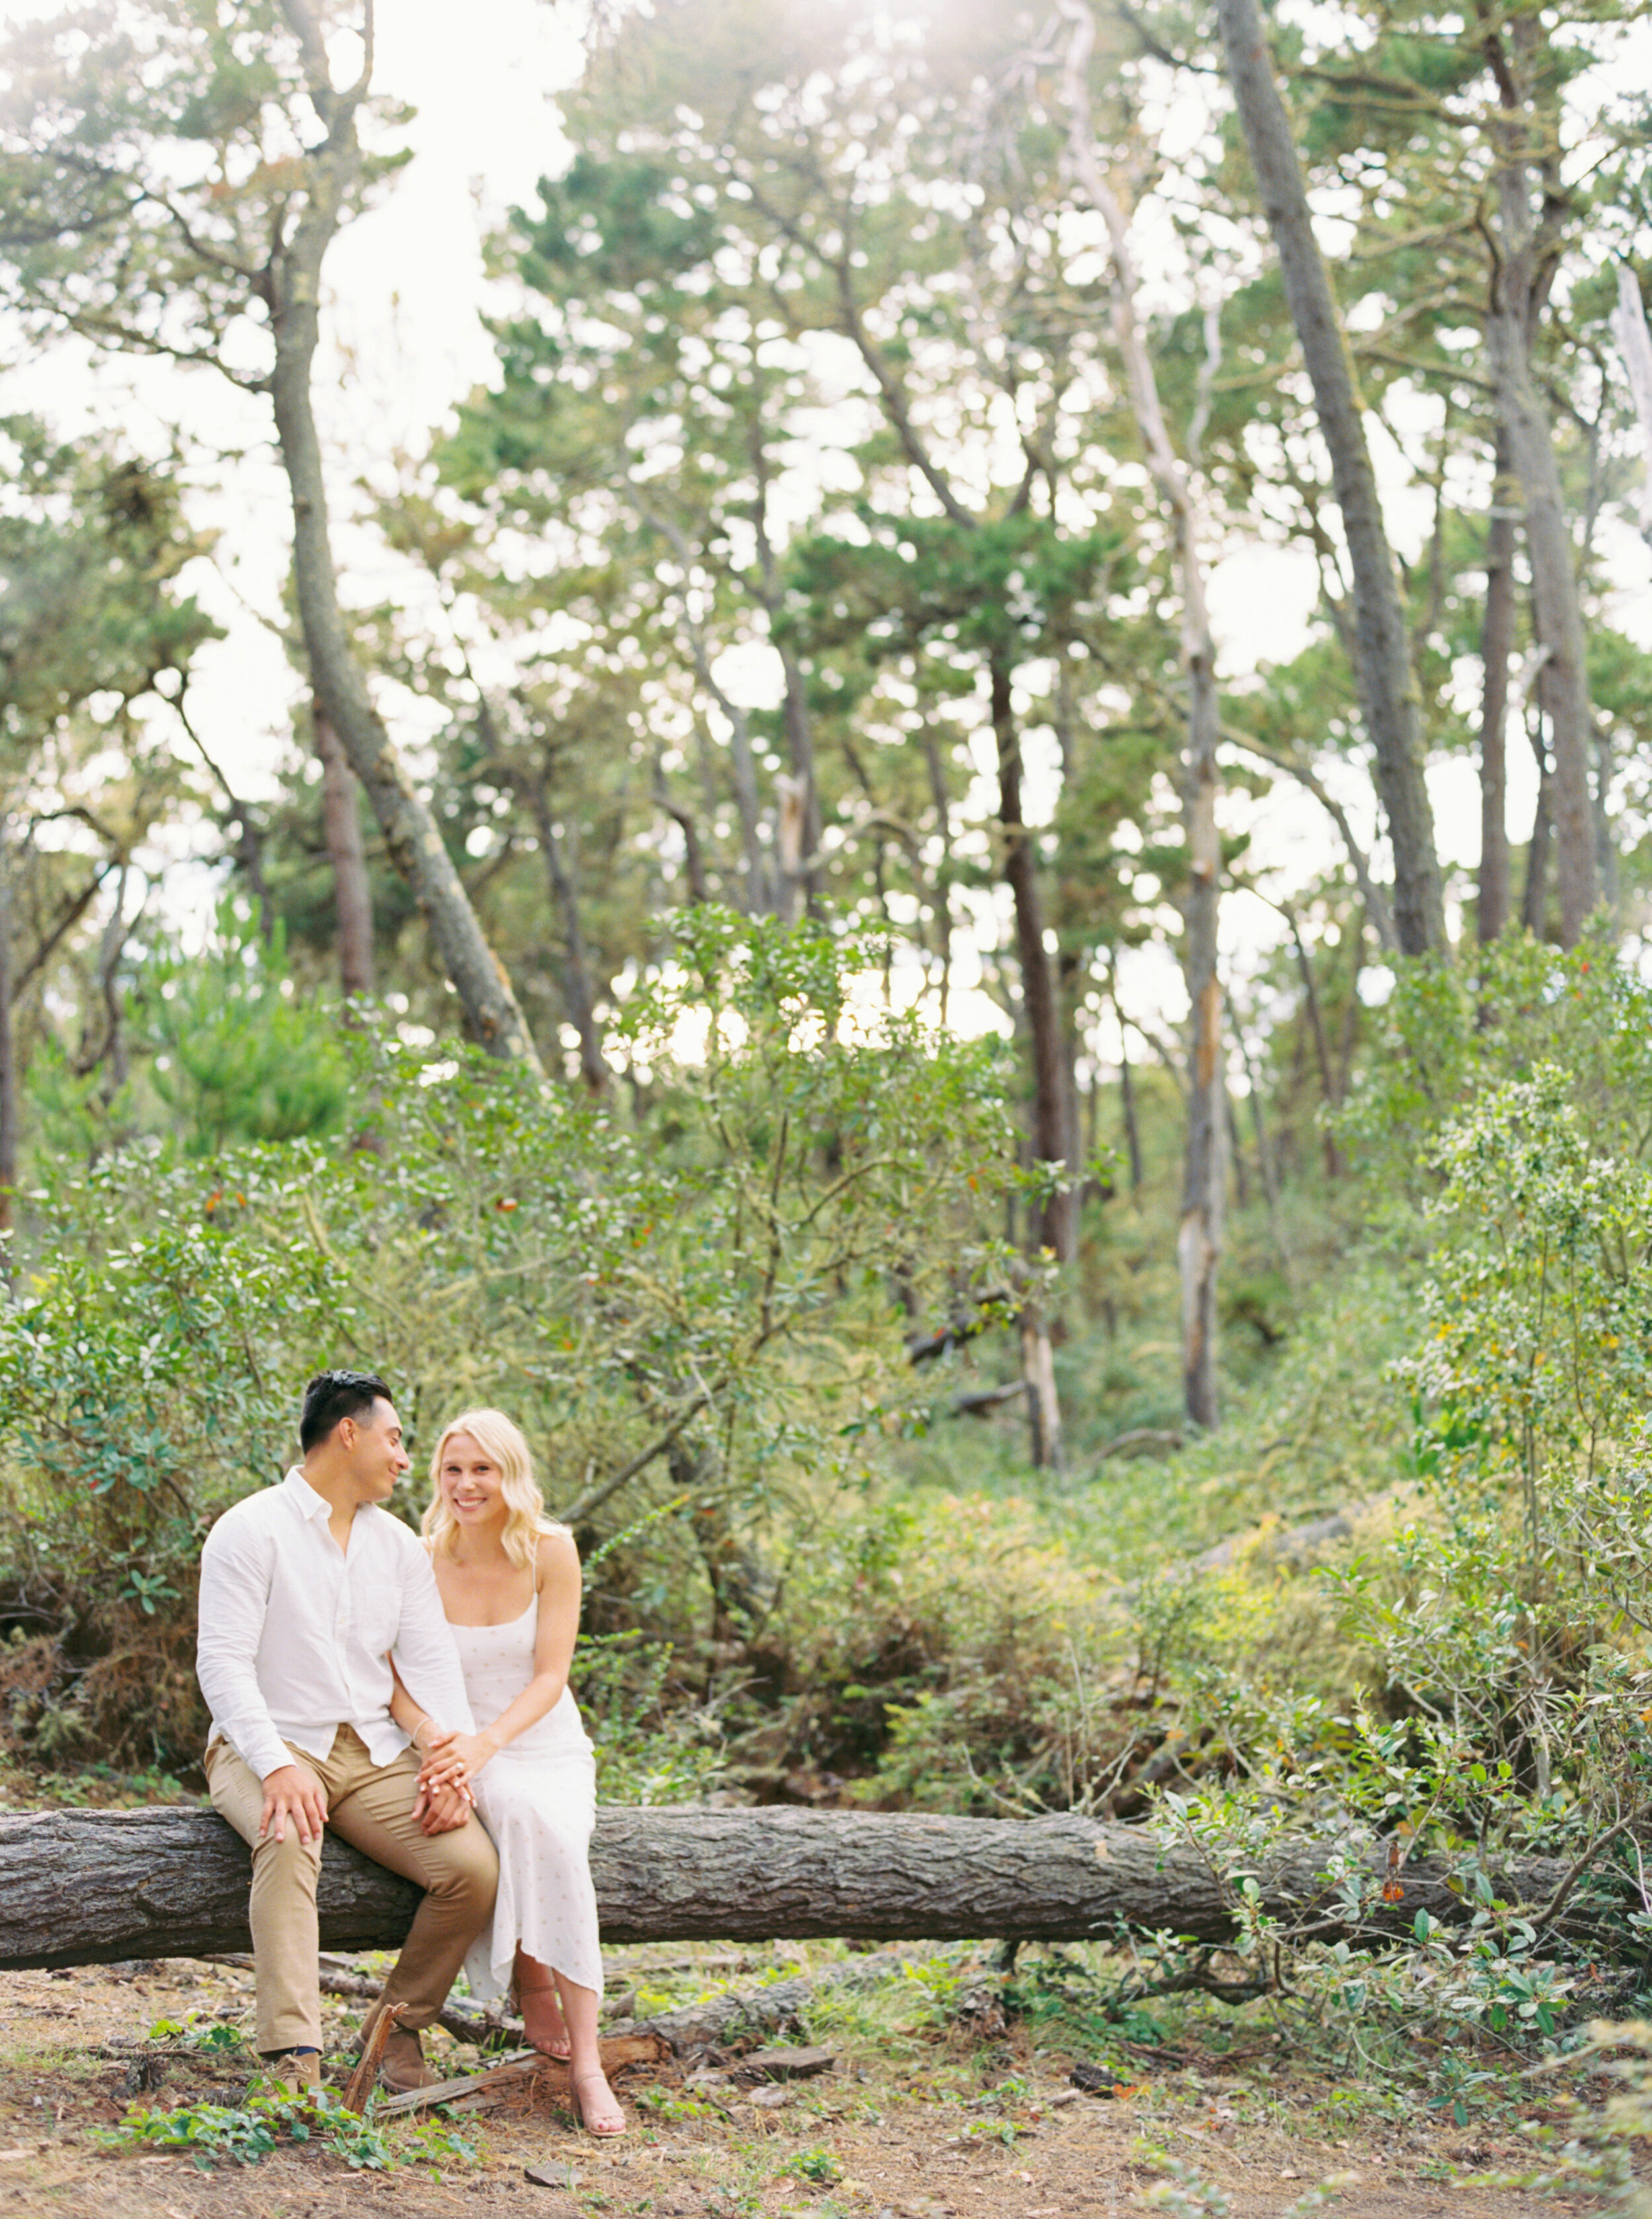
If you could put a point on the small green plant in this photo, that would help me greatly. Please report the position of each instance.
(245, 2134)
(995, 2130)
(1460, 2084)
(817, 2166)
(209, 2132)
(671, 2109)
(1188, 2193)
(188, 2033)
(437, 2142)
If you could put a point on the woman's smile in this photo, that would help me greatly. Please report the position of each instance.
(470, 1481)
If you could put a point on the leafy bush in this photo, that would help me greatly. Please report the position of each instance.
(1507, 1699)
(696, 1312)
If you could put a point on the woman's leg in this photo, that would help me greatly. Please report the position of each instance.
(542, 2016)
(594, 2100)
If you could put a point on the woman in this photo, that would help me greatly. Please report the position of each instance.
(510, 1584)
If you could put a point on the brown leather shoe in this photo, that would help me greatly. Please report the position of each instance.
(402, 2067)
(297, 2072)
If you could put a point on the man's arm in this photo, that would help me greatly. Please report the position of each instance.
(235, 1569)
(235, 1574)
(426, 1653)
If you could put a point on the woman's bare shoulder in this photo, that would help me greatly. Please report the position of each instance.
(557, 1554)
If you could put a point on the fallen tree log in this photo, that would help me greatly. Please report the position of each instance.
(96, 1886)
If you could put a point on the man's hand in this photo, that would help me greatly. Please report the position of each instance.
(444, 1809)
(292, 1791)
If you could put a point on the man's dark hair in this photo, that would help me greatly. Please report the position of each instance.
(331, 1395)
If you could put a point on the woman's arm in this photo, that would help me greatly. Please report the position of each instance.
(413, 1718)
(556, 1578)
(439, 1806)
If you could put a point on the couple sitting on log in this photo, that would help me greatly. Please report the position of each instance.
(330, 1639)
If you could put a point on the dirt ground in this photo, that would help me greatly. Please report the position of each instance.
(960, 2125)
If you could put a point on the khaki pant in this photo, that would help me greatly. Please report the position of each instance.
(371, 1806)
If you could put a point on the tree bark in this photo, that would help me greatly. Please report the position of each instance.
(799, 878)
(1266, 1161)
(741, 759)
(1534, 899)
(573, 974)
(80, 1887)
(1043, 1404)
(1126, 1094)
(1523, 246)
(1052, 1142)
(7, 1068)
(1605, 851)
(683, 818)
(1628, 328)
(1204, 1186)
(353, 896)
(1387, 686)
(1496, 645)
(942, 904)
(411, 835)
(1315, 1016)
(1556, 613)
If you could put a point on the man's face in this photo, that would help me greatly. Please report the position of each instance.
(377, 1458)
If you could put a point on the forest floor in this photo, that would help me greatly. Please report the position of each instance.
(940, 2118)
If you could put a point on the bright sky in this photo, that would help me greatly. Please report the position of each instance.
(405, 342)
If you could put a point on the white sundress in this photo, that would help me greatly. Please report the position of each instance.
(537, 1799)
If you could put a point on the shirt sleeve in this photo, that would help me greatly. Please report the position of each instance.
(236, 1567)
(426, 1655)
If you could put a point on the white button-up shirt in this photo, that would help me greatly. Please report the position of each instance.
(296, 1634)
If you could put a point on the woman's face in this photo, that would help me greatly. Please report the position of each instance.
(470, 1481)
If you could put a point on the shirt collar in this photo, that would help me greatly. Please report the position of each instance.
(310, 1504)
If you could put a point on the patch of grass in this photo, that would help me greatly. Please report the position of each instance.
(898, 2018)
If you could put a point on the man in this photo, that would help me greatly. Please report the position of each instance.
(307, 1589)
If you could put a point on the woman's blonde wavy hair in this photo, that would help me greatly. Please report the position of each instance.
(524, 1506)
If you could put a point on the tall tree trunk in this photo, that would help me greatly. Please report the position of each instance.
(1051, 1142)
(1605, 851)
(1236, 1153)
(1517, 285)
(1496, 645)
(943, 877)
(1556, 611)
(8, 1071)
(411, 835)
(1204, 1187)
(742, 761)
(1628, 328)
(1127, 1105)
(800, 750)
(1534, 901)
(804, 796)
(683, 818)
(112, 1048)
(1315, 1016)
(1266, 1161)
(574, 973)
(352, 894)
(1387, 687)
(1048, 1450)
